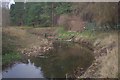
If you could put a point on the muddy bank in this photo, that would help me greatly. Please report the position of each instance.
(105, 64)
(38, 50)
(87, 43)
(41, 44)
(104, 51)
(48, 44)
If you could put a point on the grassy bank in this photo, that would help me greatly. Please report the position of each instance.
(14, 39)
(106, 56)
(87, 34)
(11, 57)
(11, 43)
(17, 39)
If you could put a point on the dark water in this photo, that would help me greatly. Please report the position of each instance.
(64, 59)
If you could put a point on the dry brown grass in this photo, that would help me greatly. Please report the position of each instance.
(107, 64)
(19, 37)
(15, 32)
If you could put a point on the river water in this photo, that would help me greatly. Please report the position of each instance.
(63, 60)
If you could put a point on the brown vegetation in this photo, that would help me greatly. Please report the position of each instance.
(30, 42)
(101, 13)
(106, 58)
(71, 22)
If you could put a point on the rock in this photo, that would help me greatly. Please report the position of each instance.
(81, 68)
(34, 51)
(28, 55)
(95, 63)
(78, 77)
(92, 70)
(97, 42)
(22, 52)
(39, 47)
(77, 39)
(82, 72)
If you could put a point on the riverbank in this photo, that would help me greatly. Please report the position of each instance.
(35, 42)
(105, 64)
(105, 47)
(24, 41)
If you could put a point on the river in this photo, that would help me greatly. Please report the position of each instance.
(58, 63)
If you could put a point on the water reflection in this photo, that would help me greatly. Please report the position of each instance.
(22, 70)
(59, 62)
(64, 60)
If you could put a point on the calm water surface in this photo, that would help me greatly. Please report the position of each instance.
(64, 59)
(22, 70)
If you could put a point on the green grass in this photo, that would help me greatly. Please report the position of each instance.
(11, 57)
(87, 34)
